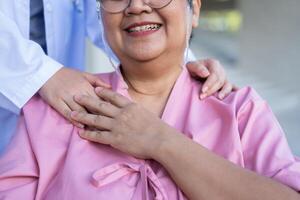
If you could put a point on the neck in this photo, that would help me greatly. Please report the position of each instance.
(151, 78)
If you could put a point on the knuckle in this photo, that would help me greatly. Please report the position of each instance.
(201, 67)
(118, 139)
(132, 108)
(114, 97)
(53, 98)
(210, 61)
(84, 98)
(66, 113)
(97, 120)
(124, 116)
(213, 78)
(214, 62)
(92, 135)
(89, 134)
(102, 105)
(81, 109)
(227, 84)
(98, 135)
(127, 113)
(220, 83)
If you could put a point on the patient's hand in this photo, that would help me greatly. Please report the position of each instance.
(120, 123)
(215, 76)
(60, 89)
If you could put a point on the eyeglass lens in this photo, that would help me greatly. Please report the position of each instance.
(115, 6)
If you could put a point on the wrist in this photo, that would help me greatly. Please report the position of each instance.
(166, 143)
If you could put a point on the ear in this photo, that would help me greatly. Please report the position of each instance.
(196, 13)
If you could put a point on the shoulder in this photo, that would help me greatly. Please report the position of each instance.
(43, 123)
(36, 109)
(236, 99)
(243, 96)
(233, 103)
(107, 77)
(236, 109)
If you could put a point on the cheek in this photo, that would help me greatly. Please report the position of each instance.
(176, 19)
(112, 31)
(176, 28)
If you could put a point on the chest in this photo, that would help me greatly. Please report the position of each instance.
(100, 172)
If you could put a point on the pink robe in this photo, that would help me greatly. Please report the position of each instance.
(48, 160)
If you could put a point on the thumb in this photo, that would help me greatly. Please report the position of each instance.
(198, 68)
(95, 81)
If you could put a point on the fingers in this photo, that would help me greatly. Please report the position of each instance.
(74, 106)
(226, 89)
(97, 121)
(95, 81)
(198, 69)
(102, 137)
(65, 110)
(216, 80)
(97, 106)
(112, 97)
(235, 88)
(211, 85)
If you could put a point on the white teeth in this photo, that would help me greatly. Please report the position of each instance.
(144, 28)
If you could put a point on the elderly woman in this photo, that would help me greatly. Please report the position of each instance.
(151, 136)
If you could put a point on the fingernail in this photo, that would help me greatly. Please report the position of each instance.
(221, 96)
(74, 114)
(77, 97)
(108, 86)
(205, 73)
(202, 96)
(79, 125)
(98, 89)
(204, 89)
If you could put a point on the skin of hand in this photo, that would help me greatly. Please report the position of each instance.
(60, 89)
(120, 124)
(198, 172)
(215, 75)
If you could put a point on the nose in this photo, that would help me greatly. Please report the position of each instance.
(137, 7)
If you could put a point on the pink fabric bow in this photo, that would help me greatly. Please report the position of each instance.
(114, 172)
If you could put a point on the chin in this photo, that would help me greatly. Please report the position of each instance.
(144, 57)
(143, 54)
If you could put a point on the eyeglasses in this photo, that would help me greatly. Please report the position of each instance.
(116, 6)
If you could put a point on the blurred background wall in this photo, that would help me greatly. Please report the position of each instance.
(258, 42)
(270, 50)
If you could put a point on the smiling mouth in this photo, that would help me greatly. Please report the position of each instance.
(143, 28)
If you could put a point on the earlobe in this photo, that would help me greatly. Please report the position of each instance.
(196, 12)
(195, 21)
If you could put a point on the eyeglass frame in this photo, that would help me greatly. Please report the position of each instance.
(100, 5)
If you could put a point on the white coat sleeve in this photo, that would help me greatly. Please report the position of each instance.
(24, 67)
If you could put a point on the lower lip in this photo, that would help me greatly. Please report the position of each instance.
(142, 33)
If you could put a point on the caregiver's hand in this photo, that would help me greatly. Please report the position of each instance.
(60, 89)
(120, 123)
(215, 76)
